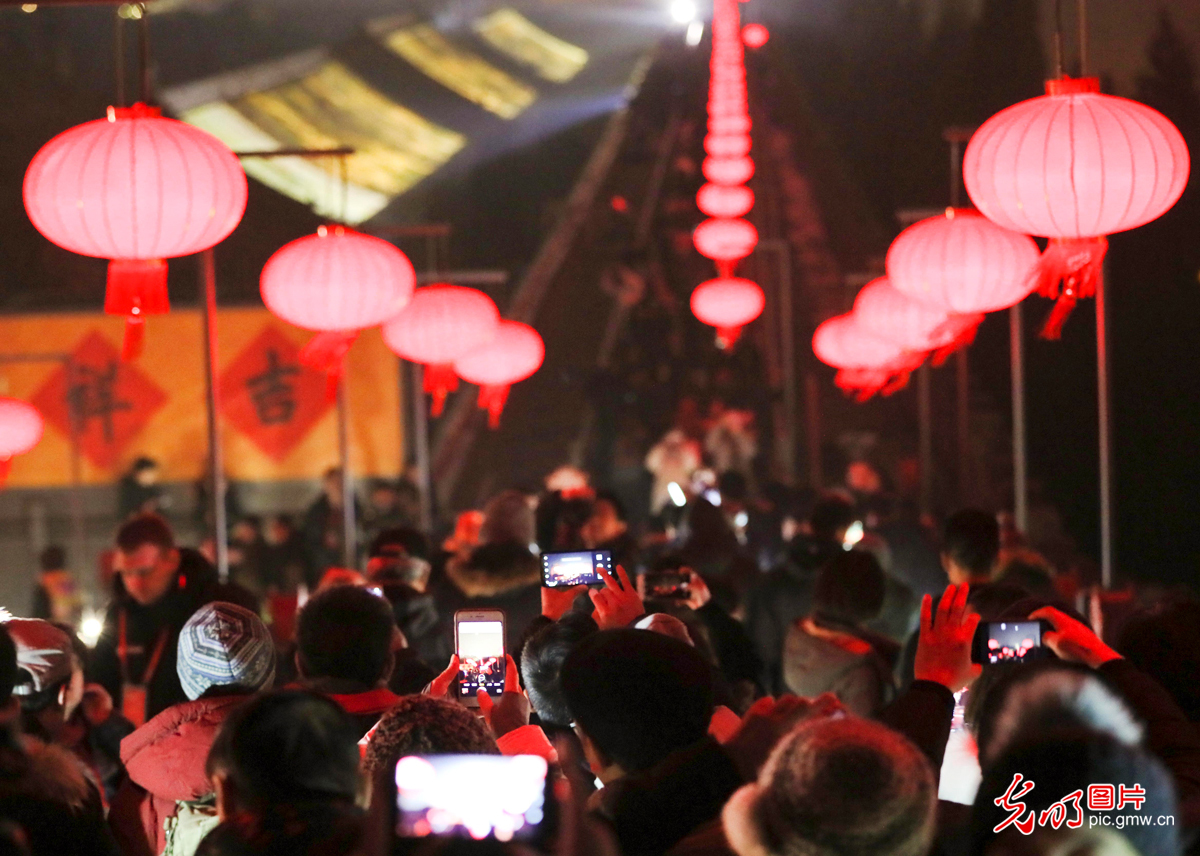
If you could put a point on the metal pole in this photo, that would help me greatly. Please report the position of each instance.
(1016, 338)
(925, 439)
(349, 529)
(78, 526)
(216, 458)
(1103, 393)
(812, 407)
(787, 358)
(420, 427)
(963, 391)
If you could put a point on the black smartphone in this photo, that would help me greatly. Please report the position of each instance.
(1008, 642)
(578, 568)
(472, 796)
(667, 585)
(479, 643)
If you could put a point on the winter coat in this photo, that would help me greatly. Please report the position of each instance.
(821, 657)
(504, 575)
(165, 759)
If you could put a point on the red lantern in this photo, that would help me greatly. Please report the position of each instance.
(729, 304)
(1074, 165)
(841, 342)
(728, 170)
(729, 124)
(755, 35)
(885, 312)
(337, 282)
(961, 262)
(21, 429)
(514, 354)
(136, 189)
(723, 200)
(725, 241)
(727, 145)
(442, 323)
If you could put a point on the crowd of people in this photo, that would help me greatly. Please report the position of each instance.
(749, 680)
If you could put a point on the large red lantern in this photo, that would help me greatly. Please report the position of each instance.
(725, 200)
(725, 241)
(739, 124)
(442, 323)
(1075, 165)
(961, 262)
(136, 189)
(729, 304)
(21, 429)
(755, 35)
(727, 145)
(515, 353)
(884, 311)
(336, 282)
(867, 364)
(728, 170)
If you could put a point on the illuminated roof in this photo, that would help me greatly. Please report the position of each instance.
(523, 41)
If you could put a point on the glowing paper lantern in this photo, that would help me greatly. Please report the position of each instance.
(136, 189)
(21, 429)
(723, 200)
(515, 353)
(755, 35)
(1074, 165)
(727, 145)
(442, 323)
(884, 311)
(725, 241)
(729, 124)
(728, 170)
(867, 364)
(336, 282)
(727, 303)
(962, 262)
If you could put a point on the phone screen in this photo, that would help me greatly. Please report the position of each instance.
(1011, 641)
(480, 657)
(669, 585)
(470, 796)
(561, 570)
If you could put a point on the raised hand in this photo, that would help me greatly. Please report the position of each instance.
(944, 640)
(618, 603)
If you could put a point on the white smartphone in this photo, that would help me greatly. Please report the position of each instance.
(479, 643)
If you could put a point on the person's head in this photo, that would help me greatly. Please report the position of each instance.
(836, 787)
(278, 530)
(49, 680)
(636, 697)
(399, 555)
(1165, 644)
(331, 484)
(146, 558)
(345, 633)
(1027, 569)
(541, 665)
(849, 587)
(246, 531)
(53, 558)
(224, 648)
(608, 520)
(830, 518)
(560, 520)
(423, 725)
(383, 496)
(334, 577)
(281, 748)
(145, 471)
(508, 517)
(970, 546)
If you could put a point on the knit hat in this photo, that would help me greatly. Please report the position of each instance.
(43, 655)
(224, 645)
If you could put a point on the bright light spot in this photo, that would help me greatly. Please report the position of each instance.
(741, 519)
(5, 615)
(130, 11)
(695, 32)
(90, 629)
(677, 495)
(854, 534)
(29, 7)
(714, 497)
(683, 11)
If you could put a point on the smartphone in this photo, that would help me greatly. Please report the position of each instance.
(1008, 642)
(472, 796)
(479, 643)
(582, 568)
(667, 585)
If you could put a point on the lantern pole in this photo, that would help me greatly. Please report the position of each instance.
(1103, 407)
(925, 438)
(956, 137)
(420, 428)
(349, 526)
(1020, 473)
(216, 457)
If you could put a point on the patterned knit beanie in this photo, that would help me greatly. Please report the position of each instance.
(222, 645)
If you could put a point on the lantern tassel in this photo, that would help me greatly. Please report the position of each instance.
(964, 339)
(5, 467)
(136, 288)
(1068, 272)
(135, 336)
(492, 399)
(440, 381)
(326, 351)
(727, 337)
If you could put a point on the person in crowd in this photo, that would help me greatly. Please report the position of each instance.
(139, 492)
(561, 519)
(830, 649)
(712, 549)
(162, 585)
(608, 529)
(672, 460)
(282, 555)
(423, 725)
(225, 655)
(246, 546)
(786, 593)
(838, 787)
(397, 566)
(1164, 642)
(323, 528)
(56, 595)
(44, 790)
(285, 770)
(970, 546)
(344, 650)
(1029, 570)
(542, 660)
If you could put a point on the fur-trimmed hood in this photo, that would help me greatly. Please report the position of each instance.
(495, 569)
(46, 772)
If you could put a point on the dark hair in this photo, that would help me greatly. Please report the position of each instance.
(144, 529)
(8, 665)
(638, 695)
(558, 521)
(424, 725)
(411, 541)
(346, 632)
(612, 499)
(849, 587)
(143, 463)
(733, 485)
(1165, 644)
(831, 513)
(542, 661)
(53, 558)
(288, 746)
(972, 540)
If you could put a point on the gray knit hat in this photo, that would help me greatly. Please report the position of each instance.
(223, 644)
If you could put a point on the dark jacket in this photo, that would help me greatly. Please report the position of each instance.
(503, 575)
(196, 584)
(821, 656)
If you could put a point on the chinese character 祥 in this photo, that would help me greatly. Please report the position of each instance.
(272, 391)
(92, 394)
(1101, 797)
(1135, 796)
(1010, 801)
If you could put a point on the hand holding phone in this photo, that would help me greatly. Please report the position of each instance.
(479, 647)
(1008, 642)
(618, 603)
(577, 568)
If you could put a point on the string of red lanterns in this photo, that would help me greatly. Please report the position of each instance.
(514, 353)
(21, 428)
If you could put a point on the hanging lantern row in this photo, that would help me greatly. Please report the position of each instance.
(727, 303)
